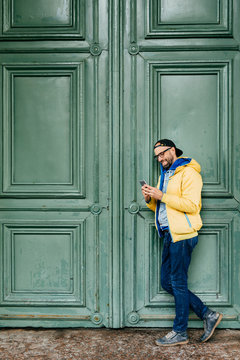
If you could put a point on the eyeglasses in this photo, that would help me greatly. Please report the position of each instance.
(161, 154)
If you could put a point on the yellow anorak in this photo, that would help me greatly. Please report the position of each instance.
(182, 199)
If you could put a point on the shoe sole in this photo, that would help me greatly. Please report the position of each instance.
(217, 323)
(179, 343)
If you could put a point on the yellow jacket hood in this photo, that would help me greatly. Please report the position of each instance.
(183, 162)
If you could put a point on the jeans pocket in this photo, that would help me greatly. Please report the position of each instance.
(193, 242)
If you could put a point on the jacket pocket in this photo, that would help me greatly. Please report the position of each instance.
(178, 223)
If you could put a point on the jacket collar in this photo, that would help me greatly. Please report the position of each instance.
(179, 162)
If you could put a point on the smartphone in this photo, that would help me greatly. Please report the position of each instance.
(142, 182)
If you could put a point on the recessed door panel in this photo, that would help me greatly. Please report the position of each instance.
(54, 19)
(188, 18)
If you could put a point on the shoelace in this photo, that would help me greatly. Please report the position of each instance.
(170, 335)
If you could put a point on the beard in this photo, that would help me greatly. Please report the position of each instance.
(167, 163)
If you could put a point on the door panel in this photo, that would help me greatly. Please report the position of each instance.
(45, 263)
(44, 125)
(182, 90)
(188, 18)
(58, 18)
(175, 89)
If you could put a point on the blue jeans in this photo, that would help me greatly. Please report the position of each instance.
(176, 259)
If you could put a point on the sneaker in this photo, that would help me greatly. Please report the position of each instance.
(173, 338)
(210, 322)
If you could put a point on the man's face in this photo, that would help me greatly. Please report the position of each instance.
(166, 158)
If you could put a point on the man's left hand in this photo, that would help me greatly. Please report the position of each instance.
(153, 192)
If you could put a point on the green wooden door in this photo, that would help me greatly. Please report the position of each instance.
(55, 164)
(87, 87)
(181, 71)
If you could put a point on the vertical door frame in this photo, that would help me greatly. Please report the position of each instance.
(116, 163)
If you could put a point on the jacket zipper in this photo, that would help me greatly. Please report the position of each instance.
(189, 223)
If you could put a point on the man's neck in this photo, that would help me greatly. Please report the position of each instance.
(169, 167)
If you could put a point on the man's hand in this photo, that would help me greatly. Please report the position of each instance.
(146, 196)
(151, 192)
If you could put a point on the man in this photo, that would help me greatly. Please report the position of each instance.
(177, 204)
